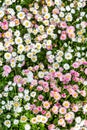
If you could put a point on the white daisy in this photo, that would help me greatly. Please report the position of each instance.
(18, 109)
(1, 111)
(7, 56)
(68, 56)
(33, 94)
(11, 24)
(40, 74)
(26, 98)
(78, 119)
(34, 120)
(85, 82)
(26, 91)
(8, 116)
(34, 58)
(1, 13)
(17, 33)
(39, 118)
(16, 121)
(21, 57)
(69, 17)
(1, 46)
(44, 119)
(85, 108)
(61, 14)
(18, 40)
(27, 127)
(23, 119)
(21, 47)
(7, 123)
(8, 2)
(21, 15)
(29, 79)
(11, 11)
(66, 66)
(68, 8)
(27, 106)
(27, 23)
(58, 2)
(59, 59)
(18, 7)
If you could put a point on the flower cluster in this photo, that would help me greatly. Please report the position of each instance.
(43, 65)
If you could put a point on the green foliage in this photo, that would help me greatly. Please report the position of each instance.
(26, 2)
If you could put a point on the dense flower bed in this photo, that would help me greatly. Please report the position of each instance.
(43, 65)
